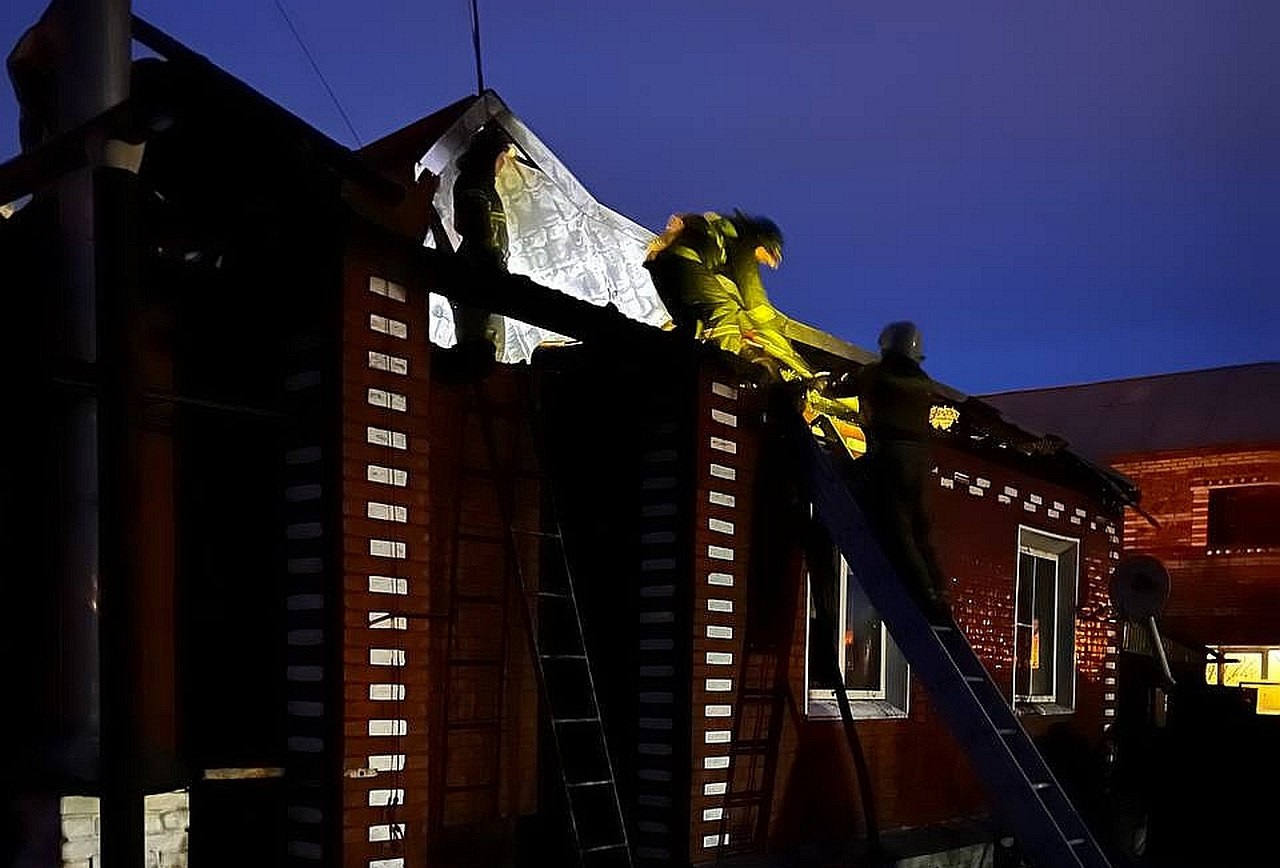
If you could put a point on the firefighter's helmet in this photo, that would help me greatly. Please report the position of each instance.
(759, 232)
(902, 338)
(485, 145)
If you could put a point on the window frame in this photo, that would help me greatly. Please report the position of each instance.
(1051, 696)
(891, 700)
(1065, 552)
(1214, 528)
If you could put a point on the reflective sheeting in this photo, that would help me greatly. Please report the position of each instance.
(560, 236)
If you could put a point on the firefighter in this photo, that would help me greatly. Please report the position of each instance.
(706, 269)
(895, 395)
(481, 220)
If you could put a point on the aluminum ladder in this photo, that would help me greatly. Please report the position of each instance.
(1045, 824)
(553, 625)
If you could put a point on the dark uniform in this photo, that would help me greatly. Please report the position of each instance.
(895, 395)
(480, 218)
(684, 265)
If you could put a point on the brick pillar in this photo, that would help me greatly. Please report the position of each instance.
(385, 393)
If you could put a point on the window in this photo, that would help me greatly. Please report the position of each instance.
(874, 670)
(1254, 668)
(1044, 622)
(1244, 516)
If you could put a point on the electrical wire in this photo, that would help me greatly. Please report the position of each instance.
(316, 67)
(475, 43)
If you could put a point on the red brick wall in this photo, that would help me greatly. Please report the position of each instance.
(392, 546)
(918, 773)
(1217, 596)
(457, 768)
(485, 774)
(724, 474)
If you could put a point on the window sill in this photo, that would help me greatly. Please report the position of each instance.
(1042, 709)
(863, 709)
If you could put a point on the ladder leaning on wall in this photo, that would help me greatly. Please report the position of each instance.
(1037, 811)
(553, 626)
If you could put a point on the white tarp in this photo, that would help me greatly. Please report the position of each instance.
(560, 236)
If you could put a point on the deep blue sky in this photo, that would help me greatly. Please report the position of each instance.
(1057, 192)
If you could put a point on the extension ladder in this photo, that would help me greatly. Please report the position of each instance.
(1045, 824)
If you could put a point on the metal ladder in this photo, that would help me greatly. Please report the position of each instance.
(556, 641)
(753, 753)
(486, 668)
(1034, 806)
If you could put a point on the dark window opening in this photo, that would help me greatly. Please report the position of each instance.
(1244, 516)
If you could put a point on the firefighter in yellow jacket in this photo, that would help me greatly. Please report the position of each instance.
(706, 268)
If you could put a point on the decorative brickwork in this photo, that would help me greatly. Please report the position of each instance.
(1218, 596)
(725, 471)
(917, 772)
(384, 543)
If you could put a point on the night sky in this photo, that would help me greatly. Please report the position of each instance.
(1057, 192)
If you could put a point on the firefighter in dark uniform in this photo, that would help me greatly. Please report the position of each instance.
(895, 396)
(481, 220)
(686, 264)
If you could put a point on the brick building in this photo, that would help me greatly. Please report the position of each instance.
(1204, 447)
(310, 611)
(692, 485)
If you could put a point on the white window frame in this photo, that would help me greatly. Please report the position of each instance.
(1023, 549)
(1049, 546)
(864, 704)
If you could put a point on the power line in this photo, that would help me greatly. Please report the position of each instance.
(315, 66)
(475, 43)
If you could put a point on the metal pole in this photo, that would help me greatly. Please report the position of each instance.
(92, 77)
(120, 499)
(1161, 656)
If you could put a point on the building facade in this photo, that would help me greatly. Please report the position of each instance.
(320, 627)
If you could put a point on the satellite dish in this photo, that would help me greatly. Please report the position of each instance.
(1140, 587)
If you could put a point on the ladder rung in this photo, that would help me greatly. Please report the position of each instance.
(973, 678)
(941, 628)
(541, 533)
(563, 656)
(1006, 732)
(602, 847)
(1075, 842)
(1041, 785)
(554, 595)
(604, 783)
(558, 720)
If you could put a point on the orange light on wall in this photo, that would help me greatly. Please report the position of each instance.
(1035, 643)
